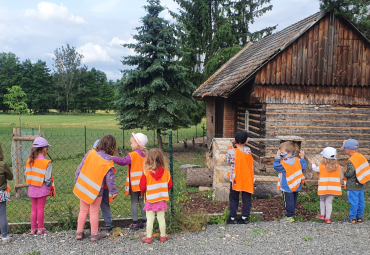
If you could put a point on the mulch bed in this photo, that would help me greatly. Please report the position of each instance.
(272, 208)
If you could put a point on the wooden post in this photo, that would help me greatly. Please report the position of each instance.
(17, 160)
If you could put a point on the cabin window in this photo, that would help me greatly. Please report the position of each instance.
(247, 121)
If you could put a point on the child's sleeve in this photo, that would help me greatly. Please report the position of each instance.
(230, 157)
(110, 181)
(303, 163)
(8, 173)
(47, 179)
(122, 161)
(277, 165)
(170, 184)
(350, 170)
(315, 168)
(142, 184)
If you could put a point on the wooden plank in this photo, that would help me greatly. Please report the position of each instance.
(299, 60)
(268, 73)
(263, 75)
(257, 78)
(304, 59)
(349, 58)
(283, 66)
(315, 54)
(335, 52)
(315, 116)
(355, 64)
(343, 77)
(273, 71)
(340, 49)
(367, 66)
(309, 57)
(363, 64)
(294, 63)
(288, 75)
(330, 49)
(326, 50)
(278, 69)
(317, 123)
(320, 52)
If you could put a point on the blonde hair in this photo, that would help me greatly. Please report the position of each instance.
(287, 146)
(330, 164)
(142, 149)
(154, 160)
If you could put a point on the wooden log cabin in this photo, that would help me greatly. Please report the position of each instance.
(310, 80)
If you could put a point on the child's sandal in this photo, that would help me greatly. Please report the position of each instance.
(42, 231)
(33, 231)
(359, 219)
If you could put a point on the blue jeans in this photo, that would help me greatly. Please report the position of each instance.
(357, 201)
(290, 202)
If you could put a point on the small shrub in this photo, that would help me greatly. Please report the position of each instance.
(299, 218)
(67, 222)
(219, 219)
(33, 253)
(192, 222)
(257, 232)
(310, 206)
(255, 217)
(307, 238)
(313, 197)
(302, 197)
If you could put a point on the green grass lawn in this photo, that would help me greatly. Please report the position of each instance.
(66, 135)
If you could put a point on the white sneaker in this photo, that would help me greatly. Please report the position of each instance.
(6, 239)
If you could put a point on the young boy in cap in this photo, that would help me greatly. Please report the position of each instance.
(290, 170)
(241, 177)
(357, 173)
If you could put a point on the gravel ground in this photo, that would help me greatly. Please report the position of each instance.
(255, 238)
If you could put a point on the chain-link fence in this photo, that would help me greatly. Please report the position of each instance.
(198, 165)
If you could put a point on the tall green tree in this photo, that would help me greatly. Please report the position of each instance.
(107, 97)
(9, 75)
(156, 94)
(36, 83)
(356, 11)
(67, 72)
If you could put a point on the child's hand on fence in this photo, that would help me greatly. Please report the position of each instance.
(302, 154)
(115, 195)
(278, 153)
(229, 146)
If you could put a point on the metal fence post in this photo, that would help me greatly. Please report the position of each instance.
(85, 140)
(171, 168)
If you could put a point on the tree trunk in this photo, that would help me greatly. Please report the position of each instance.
(67, 102)
(196, 177)
(159, 140)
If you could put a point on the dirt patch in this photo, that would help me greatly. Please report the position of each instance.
(272, 209)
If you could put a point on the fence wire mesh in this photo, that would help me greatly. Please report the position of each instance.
(199, 172)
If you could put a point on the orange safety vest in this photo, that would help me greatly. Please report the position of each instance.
(90, 180)
(243, 179)
(135, 173)
(157, 190)
(294, 175)
(362, 167)
(35, 174)
(8, 187)
(329, 182)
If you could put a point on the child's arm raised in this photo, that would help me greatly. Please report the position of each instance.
(122, 161)
(277, 166)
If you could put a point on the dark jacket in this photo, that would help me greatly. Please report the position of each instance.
(352, 182)
(5, 172)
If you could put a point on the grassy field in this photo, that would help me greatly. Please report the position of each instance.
(66, 134)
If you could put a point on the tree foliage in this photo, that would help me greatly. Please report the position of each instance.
(156, 94)
(214, 30)
(15, 99)
(357, 11)
(9, 75)
(67, 72)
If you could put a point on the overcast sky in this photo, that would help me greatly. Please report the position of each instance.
(97, 28)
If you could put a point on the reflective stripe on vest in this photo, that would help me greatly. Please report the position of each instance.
(90, 180)
(345, 182)
(329, 182)
(294, 175)
(35, 174)
(362, 167)
(157, 190)
(134, 173)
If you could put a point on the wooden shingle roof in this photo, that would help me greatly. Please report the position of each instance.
(251, 58)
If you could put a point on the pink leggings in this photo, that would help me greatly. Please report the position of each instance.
(37, 212)
(94, 215)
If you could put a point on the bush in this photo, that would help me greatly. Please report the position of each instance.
(190, 222)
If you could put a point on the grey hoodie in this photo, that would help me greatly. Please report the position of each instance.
(5, 172)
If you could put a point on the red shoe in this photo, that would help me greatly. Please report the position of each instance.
(164, 238)
(327, 221)
(147, 239)
(320, 217)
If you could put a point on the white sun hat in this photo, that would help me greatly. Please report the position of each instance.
(329, 153)
(141, 139)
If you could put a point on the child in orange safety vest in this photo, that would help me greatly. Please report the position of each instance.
(356, 175)
(290, 176)
(329, 181)
(41, 183)
(5, 176)
(96, 170)
(134, 162)
(155, 183)
(241, 178)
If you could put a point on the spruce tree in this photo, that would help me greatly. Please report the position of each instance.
(156, 95)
